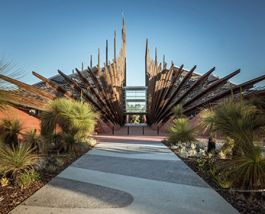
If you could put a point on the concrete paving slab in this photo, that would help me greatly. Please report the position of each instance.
(127, 177)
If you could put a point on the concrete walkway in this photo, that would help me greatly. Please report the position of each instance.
(126, 175)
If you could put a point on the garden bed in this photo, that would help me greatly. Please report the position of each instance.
(245, 203)
(11, 196)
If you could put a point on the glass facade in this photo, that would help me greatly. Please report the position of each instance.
(135, 99)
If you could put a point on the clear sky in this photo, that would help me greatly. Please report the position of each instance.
(46, 35)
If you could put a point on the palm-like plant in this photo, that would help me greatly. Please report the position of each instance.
(181, 131)
(238, 120)
(12, 129)
(15, 160)
(247, 171)
(73, 117)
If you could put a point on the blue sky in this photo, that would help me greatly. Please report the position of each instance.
(61, 34)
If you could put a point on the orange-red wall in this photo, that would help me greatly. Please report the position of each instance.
(28, 122)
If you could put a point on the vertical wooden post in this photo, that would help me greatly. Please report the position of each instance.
(115, 46)
(107, 50)
(98, 60)
(91, 63)
(156, 57)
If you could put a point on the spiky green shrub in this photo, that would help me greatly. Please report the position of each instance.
(26, 178)
(17, 159)
(181, 131)
(12, 129)
(73, 117)
(248, 171)
(178, 111)
(31, 137)
(238, 120)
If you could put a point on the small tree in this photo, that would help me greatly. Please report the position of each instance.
(73, 117)
(181, 131)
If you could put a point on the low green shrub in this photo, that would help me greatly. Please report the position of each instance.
(12, 129)
(248, 171)
(181, 131)
(17, 159)
(27, 178)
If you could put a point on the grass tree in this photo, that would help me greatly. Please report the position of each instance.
(181, 130)
(238, 120)
(11, 131)
(243, 122)
(70, 116)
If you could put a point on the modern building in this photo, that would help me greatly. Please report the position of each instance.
(104, 86)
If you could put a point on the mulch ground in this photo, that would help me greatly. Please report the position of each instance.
(12, 196)
(243, 202)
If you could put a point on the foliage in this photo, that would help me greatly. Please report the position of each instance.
(237, 120)
(4, 181)
(17, 159)
(181, 131)
(247, 171)
(227, 148)
(6, 69)
(32, 138)
(178, 111)
(12, 129)
(207, 120)
(210, 167)
(135, 119)
(73, 117)
(27, 177)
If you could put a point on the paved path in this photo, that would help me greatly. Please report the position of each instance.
(126, 175)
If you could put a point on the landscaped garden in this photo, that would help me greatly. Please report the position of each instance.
(232, 160)
(30, 158)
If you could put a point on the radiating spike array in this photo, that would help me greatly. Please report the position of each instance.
(103, 87)
(170, 87)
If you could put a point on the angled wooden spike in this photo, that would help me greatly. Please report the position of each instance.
(19, 100)
(29, 88)
(168, 105)
(196, 83)
(177, 101)
(211, 87)
(76, 86)
(93, 92)
(234, 90)
(54, 85)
